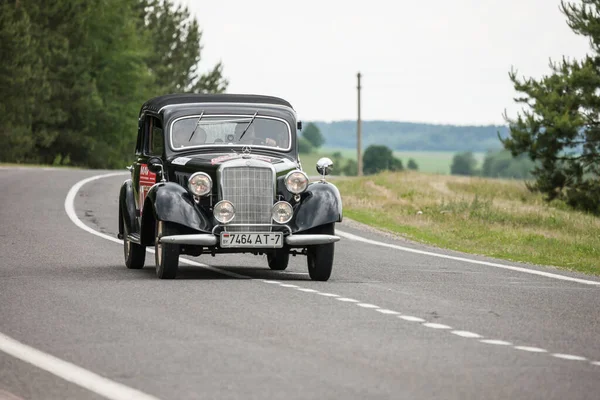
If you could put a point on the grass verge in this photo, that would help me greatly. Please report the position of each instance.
(491, 217)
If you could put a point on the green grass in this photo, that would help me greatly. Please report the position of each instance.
(496, 218)
(437, 162)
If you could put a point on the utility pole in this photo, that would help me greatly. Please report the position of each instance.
(359, 133)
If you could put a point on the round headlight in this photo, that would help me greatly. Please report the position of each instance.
(224, 211)
(282, 212)
(200, 184)
(296, 182)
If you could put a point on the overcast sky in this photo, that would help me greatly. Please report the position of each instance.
(439, 61)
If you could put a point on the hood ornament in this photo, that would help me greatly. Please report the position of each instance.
(246, 150)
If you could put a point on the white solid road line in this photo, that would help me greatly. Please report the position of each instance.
(467, 260)
(70, 372)
(70, 210)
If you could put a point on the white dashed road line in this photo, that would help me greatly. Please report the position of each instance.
(389, 312)
(411, 318)
(436, 326)
(307, 290)
(467, 334)
(69, 207)
(531, 349)
(347, 300)
(569, 357)
(367, 305)
(496, 342)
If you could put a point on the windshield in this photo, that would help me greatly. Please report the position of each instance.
(227, 130)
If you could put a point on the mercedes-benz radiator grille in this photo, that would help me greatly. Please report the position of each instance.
(250, 189)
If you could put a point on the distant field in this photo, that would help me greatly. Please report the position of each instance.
(437, 162)
(493, 217)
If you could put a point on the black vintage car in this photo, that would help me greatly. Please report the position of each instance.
(221, 174)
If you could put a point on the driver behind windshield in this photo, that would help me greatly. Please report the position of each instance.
(253, 136)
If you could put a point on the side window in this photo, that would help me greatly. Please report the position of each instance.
(154, 143)
(157, 145)
(139, 143)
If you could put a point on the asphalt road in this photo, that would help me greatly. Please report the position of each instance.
(390, 324)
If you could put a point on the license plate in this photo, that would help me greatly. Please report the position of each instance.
(267, 239)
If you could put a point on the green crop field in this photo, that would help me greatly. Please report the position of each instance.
(493, 217)
(437, 162)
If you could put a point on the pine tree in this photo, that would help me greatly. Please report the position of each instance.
(175, 39)
(559, 126)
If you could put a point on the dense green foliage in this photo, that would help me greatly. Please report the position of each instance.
(350, 168)
(406, 136)
(377, 158)
(559, 126)
(304, 146)
(464, 164)
(502, 164)
(74, 73)
(412, 165)
(312, 133)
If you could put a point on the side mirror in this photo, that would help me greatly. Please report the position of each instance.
(155, 164)
(299, 125)
(324, 166)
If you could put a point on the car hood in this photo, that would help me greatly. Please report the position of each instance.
(210, 162)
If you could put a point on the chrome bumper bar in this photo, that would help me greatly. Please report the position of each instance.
(307, 240)
(203, 239)
(206, 239)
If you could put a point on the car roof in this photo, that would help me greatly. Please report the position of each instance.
(157, 103)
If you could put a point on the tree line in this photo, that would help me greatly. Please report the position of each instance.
(496, 164)
(409, 136)
(74, 73)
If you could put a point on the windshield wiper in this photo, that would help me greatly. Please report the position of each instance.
(248, 126)
(196, 127)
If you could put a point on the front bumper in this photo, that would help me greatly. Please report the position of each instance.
(209, 240)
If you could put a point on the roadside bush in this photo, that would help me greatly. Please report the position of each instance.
(464, 164)
(379, 158)
(304, 146)
(412, 165)
(351, 168)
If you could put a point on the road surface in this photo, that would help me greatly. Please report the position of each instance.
(394, 321)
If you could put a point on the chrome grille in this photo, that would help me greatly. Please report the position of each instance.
(250, 189)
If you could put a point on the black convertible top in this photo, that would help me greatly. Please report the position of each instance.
(159, 102)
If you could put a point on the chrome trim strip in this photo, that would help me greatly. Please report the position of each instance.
(261, 225)
(269, 105)
(307, 240)
(212, 145)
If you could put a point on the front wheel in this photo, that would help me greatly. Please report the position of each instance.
(320, 256)
(135, 254)
(166, 255)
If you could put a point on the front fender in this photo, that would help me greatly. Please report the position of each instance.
(321, 204)
(127, 209)
(171, 202)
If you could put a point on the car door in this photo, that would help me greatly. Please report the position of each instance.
(151, 144)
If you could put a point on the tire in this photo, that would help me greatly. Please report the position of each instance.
(166, 255)
(135, 254)
(320, 257)
(279, 259)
